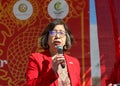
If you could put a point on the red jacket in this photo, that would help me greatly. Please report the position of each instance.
(39, 71)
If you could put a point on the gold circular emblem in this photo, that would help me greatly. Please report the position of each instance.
(22, 7)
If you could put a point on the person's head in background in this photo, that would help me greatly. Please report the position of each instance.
(56, 33)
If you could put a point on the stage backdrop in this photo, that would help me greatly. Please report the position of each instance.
(21, 23)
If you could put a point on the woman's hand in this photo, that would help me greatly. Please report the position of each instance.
(56, 60)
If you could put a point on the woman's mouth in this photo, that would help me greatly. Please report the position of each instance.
(57, 42)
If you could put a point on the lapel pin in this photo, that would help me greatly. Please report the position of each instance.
(71, 62)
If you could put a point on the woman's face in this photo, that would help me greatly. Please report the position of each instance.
(57, 37)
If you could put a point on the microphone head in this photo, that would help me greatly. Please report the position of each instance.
(59, 49)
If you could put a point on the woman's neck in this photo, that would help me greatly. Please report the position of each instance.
(52, 52)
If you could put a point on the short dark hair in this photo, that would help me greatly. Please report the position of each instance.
(50, 27)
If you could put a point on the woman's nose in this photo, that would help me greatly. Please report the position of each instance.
(57, 35)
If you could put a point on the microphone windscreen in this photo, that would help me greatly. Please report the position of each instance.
(59, 49)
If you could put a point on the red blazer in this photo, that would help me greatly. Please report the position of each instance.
(39, 71)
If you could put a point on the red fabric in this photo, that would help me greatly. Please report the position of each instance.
(109, 31)
(40, 73)
(115, 73)
(115, 28)
(106, 38)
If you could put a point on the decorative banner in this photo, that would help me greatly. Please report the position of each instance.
(21, 23)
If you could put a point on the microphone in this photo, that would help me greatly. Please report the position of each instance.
(60, 51)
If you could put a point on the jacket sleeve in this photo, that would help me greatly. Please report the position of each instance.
(33, 76)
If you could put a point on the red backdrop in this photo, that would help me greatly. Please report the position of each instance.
(19, 38)
(108, 21)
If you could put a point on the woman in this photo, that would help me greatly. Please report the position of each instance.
(45, 68)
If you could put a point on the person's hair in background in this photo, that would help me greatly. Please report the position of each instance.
(50, 27)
